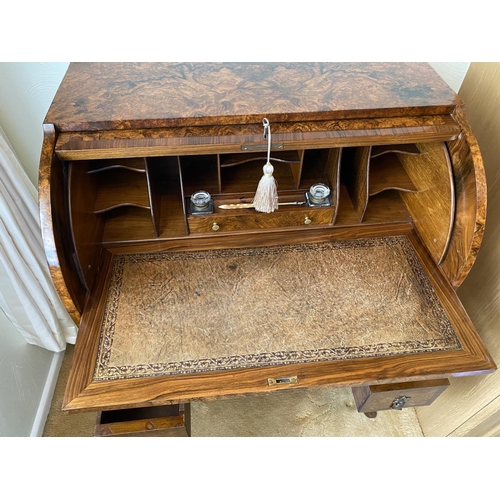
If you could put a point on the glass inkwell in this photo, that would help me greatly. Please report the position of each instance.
(201, 203)
(318, 196)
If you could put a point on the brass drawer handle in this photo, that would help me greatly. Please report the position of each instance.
(398, 403)
(215, 226)
(307, 220)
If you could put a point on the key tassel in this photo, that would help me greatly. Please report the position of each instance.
(266, 196)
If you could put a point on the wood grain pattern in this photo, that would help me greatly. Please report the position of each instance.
(247, 219)
(126, 244)
(135, 393)
(84, 395)
(381, 397)
(86, 227)
(245, 178)
(433, 205)
(167, 216)
(230, 138)
(331, 169)
(133, 164)
(450, 301)
(471, 195)
(356, 179)
(117, 189)
(55, 225)
(409, 149)
(470, 406)
(155, 421)
(485, 423)
(86, 345)
(155, 191)
(387, 173)
(187, 118)
(135, 95)
(239, 159)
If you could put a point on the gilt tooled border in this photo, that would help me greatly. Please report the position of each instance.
(448, 340)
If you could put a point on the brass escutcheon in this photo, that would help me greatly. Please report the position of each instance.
(261, 147)
(283, 380)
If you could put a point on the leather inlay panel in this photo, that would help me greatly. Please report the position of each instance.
(187, 312)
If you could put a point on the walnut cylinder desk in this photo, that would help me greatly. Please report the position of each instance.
(176, 304)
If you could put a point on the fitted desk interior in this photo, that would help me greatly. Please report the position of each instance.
(174, 305)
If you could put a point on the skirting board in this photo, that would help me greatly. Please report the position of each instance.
(47, 395)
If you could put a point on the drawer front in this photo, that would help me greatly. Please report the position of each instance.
(240, 222)
(165, 421)
(373, 398)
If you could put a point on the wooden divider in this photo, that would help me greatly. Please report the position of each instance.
(433, 206)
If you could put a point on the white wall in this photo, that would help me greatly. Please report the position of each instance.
(26, 91)
(27, 372)
(24, 375)
(452, 73)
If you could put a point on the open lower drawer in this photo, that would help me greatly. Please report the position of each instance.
(174, 326)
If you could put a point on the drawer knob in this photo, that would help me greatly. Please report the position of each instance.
(307, 220)
(398, 403)
(215, 226)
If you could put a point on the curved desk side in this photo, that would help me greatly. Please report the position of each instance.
(470, 193)
(52, 217)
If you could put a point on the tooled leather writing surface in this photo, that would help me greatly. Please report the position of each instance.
(268, 306)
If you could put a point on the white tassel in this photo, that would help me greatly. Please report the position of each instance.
(266, 196)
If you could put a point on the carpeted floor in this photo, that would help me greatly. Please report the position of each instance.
(301, 412)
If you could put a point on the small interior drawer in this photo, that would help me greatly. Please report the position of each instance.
(255, 220)
(154, 421)
(371, 398)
